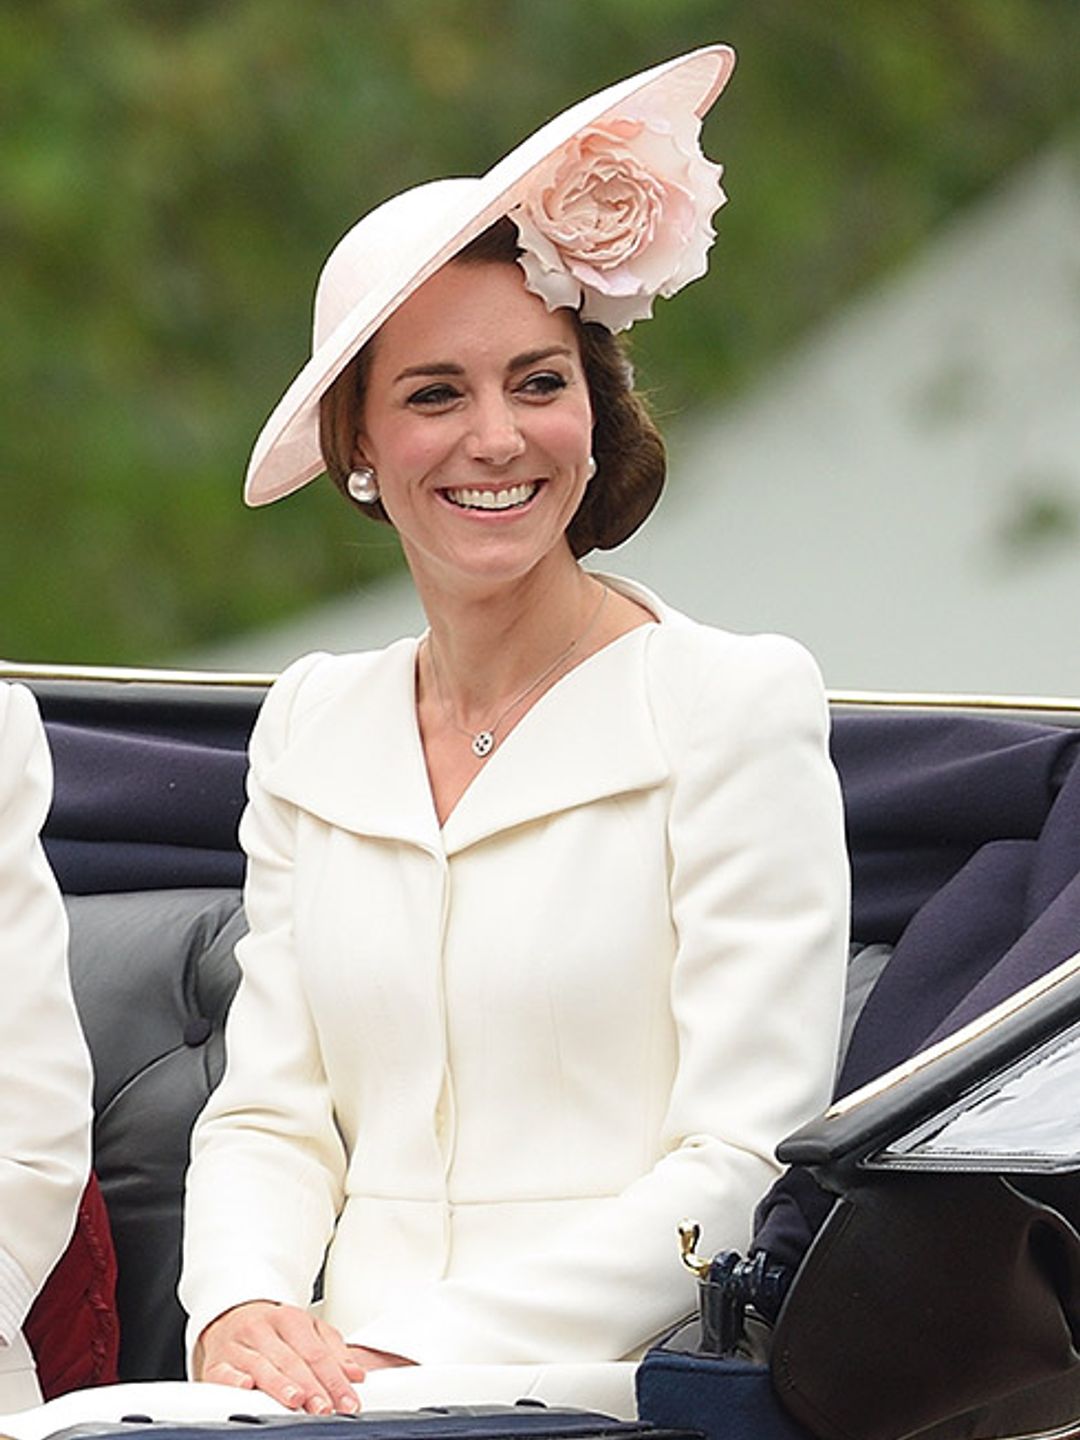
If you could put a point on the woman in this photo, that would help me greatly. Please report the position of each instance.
(547, 908)
(45, 1101)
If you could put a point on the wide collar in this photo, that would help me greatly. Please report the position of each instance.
(354, 758)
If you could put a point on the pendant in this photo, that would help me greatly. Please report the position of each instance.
(483, 742)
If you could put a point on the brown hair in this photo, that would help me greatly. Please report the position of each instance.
(627, 448)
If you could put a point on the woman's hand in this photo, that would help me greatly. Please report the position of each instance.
(287, 1353)
(377, 1359)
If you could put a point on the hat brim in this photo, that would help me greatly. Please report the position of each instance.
(286, 455)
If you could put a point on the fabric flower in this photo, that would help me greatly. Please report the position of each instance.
(617, 216)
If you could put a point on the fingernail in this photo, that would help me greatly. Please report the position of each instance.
(290, 1395)
(319, 1406)
(348, 1404)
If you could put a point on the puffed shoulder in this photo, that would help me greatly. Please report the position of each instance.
(765, 687)
(703, 660)
(308, 685)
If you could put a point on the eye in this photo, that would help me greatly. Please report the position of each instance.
(542, 384)
(434, 397)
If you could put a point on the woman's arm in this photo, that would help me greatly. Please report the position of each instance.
(265, 1181)
(45, 1104)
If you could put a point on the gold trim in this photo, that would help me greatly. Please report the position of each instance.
(908, 699)
(689, 1235)
(871, 699)
(132, 675)
(1069, 1431)
(884, 1083)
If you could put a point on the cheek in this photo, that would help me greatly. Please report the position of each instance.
(568, 433)
(408, 450)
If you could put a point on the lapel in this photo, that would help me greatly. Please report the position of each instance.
(592, 735)
(353, 755)
(354, 759)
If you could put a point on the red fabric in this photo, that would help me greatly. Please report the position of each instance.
(72, 1327)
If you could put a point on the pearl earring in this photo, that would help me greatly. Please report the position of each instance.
(362, 485)
(590, 468)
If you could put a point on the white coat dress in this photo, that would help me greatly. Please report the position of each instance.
(486, 1068)
(45, 1096)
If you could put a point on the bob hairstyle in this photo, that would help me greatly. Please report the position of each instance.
(627, 447)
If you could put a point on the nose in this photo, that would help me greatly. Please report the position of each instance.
(495, 437)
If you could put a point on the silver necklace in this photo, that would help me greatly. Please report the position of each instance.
(483, 741)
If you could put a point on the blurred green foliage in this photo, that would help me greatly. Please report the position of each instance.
(173, 173)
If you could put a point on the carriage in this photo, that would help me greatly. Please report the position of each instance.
(939, 1296)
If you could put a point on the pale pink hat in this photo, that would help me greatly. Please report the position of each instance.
(391, 251)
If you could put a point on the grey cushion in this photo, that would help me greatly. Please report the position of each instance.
(153, 974)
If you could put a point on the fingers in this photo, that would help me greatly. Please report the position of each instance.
(225, 1374)
(326, 1357)
(376, 1359)
(354, 1367)
(284, 1351)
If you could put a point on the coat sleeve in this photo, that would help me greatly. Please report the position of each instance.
(264, 1185)
(45, 1106)
(759, 901)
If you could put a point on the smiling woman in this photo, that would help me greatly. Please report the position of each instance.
(547, 906)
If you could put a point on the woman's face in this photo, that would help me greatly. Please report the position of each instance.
(478, 424)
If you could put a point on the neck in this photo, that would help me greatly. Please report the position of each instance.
(488, 645)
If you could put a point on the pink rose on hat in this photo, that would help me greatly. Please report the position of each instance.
(619, 215)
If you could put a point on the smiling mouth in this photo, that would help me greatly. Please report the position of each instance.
(509, 499)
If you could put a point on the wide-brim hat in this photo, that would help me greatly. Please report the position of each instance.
(392, 250)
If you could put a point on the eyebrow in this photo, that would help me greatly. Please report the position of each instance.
(448, 367)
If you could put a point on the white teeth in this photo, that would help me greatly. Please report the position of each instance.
(493, 499)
